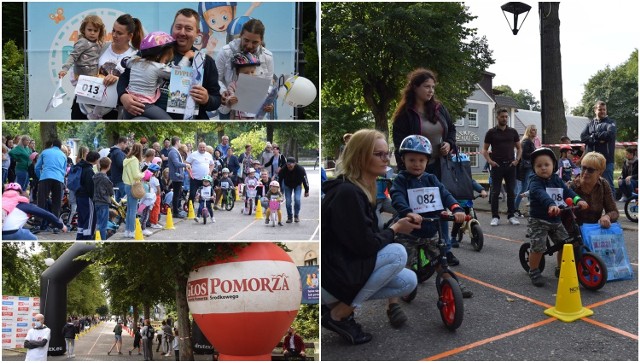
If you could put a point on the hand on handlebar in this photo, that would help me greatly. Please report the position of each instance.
(459, 217)
(553, 211)
(405, 225)
(415, 217)
(483, 194)
(583, 205)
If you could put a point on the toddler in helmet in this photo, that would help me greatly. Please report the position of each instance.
(148, 201)
(546, 192)
(566, 167)
(244, 63)
(206, 195)
(274, 193)
(225, 184)
(150, 70)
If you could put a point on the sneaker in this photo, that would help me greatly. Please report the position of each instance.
(146, 232)
(108, 353)
(213, 220)
(280, 224)
(181, 214)
(397, 317)
(157, 226)
(623, 199)
(129, 352)
(466, 292)
(454, 242)
(56, 231)
(517, 214)
(495, 221)
(296, 219)
(196, 219)
(536, 278)
(514, 221)
(289, 220)
(347, 328)
(73, 355)
(452, 260)
(215, 207)
(120, 353)
(266, 221)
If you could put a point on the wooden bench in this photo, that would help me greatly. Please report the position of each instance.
(309, 348)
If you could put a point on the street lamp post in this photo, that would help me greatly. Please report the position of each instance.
(516, 9)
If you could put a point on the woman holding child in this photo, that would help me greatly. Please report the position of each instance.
(360, 262)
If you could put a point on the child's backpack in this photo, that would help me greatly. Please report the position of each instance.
(150, 332)
(74, 177)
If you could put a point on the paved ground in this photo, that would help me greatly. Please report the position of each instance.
(504, 320)
(232, 226)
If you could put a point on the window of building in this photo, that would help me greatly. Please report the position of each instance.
(460, 122)
(311, 258)
(472, 116)
(472, 151)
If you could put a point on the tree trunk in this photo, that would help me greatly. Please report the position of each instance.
(554, 122)
(136, 315)
(270, 131)
(147, 311)
(184, 326)
(380, 106)
(220, 135)
(48, 131)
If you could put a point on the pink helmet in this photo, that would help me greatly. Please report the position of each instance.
(13, 186)
(147, 175)
(156, 39)
(274, 184)
(33, 155)
(157, 160)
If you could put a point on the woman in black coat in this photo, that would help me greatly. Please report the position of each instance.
(360, 262)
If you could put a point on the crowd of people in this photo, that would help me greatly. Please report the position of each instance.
(362, 262)
(141, 67)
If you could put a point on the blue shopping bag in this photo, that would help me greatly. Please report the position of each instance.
(609, 245)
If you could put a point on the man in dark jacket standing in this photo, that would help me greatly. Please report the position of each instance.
(117, 156)
(69, 333)
(84, 198)
(291, 179)
(176, 174)
(102, 192)
(600, 136)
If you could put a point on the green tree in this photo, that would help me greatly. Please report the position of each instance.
(618, 87)
(369, 48)
(525, 99)
(338, 120)
(306, 323)
(13, 82)
(19, 272)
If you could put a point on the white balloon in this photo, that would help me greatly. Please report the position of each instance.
(300, 91)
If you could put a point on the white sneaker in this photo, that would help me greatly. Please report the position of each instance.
(196, 219)
(213, 220)
(157, 226)
(128, 234)
(623, 199)
(495, 221)
(147, 232)
(514, 221)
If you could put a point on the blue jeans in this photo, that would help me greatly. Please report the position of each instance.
(608, 175)
(5, 174)
(121, 192)
(21, 234)
(296, 200)
(627, 189)
(22, 178)
(102, 217)
(132, 207)
(524, 186)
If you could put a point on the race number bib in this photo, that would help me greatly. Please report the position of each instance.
(206, 193)
(556, 195)
(90, 87)
(423, 200)
(224, 185)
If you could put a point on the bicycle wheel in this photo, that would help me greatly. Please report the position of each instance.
(477, 238)
(524, 257)
(251, 206)
(592, 272)
(631, 209)
(229, 202)
(450, 303)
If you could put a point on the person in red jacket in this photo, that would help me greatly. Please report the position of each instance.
(293, 345)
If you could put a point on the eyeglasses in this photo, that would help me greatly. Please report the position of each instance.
(383, 155)
(588, 170)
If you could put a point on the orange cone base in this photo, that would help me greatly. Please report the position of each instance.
(569, 317)
(228, 357)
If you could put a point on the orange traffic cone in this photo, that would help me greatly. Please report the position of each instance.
(568, 302)
(169, 224)
(138, 236)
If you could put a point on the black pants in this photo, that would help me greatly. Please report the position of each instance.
(498, 174)
(54, 188)
(177, 196)
(194, 184)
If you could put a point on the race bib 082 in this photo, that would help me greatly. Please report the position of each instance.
(423, 200)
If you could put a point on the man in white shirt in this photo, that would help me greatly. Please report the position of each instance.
(201, 164)
(37, 340)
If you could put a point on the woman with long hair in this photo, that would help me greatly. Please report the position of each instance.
(130, 174)
(359, 261)
(525, 169)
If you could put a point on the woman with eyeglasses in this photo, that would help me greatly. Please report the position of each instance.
(595, 190)
(359, 261)
(419, 112)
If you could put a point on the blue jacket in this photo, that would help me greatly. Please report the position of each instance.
(601, 137)
(176, 166)
(400, 201)
(539, 199)
(117, 157)
(52, 164)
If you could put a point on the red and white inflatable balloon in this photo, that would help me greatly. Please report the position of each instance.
(245, 305)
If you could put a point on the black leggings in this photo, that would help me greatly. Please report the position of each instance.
(151, 112)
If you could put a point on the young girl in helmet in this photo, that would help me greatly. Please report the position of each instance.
(150, 70)
(546, 192)
(250, 182)
(566, 166)
(416, 192)
(16, 210)
(154, 189)
(147, 202)
(244, 63)
(206, 195)
(274, 192)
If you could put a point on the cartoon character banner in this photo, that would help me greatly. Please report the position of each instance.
(310, 277)
(53, 29)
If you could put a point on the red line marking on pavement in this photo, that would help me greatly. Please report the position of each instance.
(526, 298)
(504, 238)
(489, 340)
(611, 328)
(595, 305)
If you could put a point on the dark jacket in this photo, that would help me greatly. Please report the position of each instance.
(293, 178)
(282, 162)
(540, 200)
(408, 123)
(399, 197)
(298, 343)
(69, 331)
(209, 81)
(176, 166)
(351, 239)
(600, 136)
(102, 189)
(117, 157)
(630, 168)
(86, 180)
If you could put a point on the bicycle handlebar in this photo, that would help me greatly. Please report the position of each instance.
(444, 216)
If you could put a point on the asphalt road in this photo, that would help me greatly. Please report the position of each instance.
(504, 320)
(233, 226)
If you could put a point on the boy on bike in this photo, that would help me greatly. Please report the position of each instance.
(547, 191)
(415, 191)
(225, 184)
(206, 195)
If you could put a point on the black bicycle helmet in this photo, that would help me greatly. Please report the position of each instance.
(545, 151)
